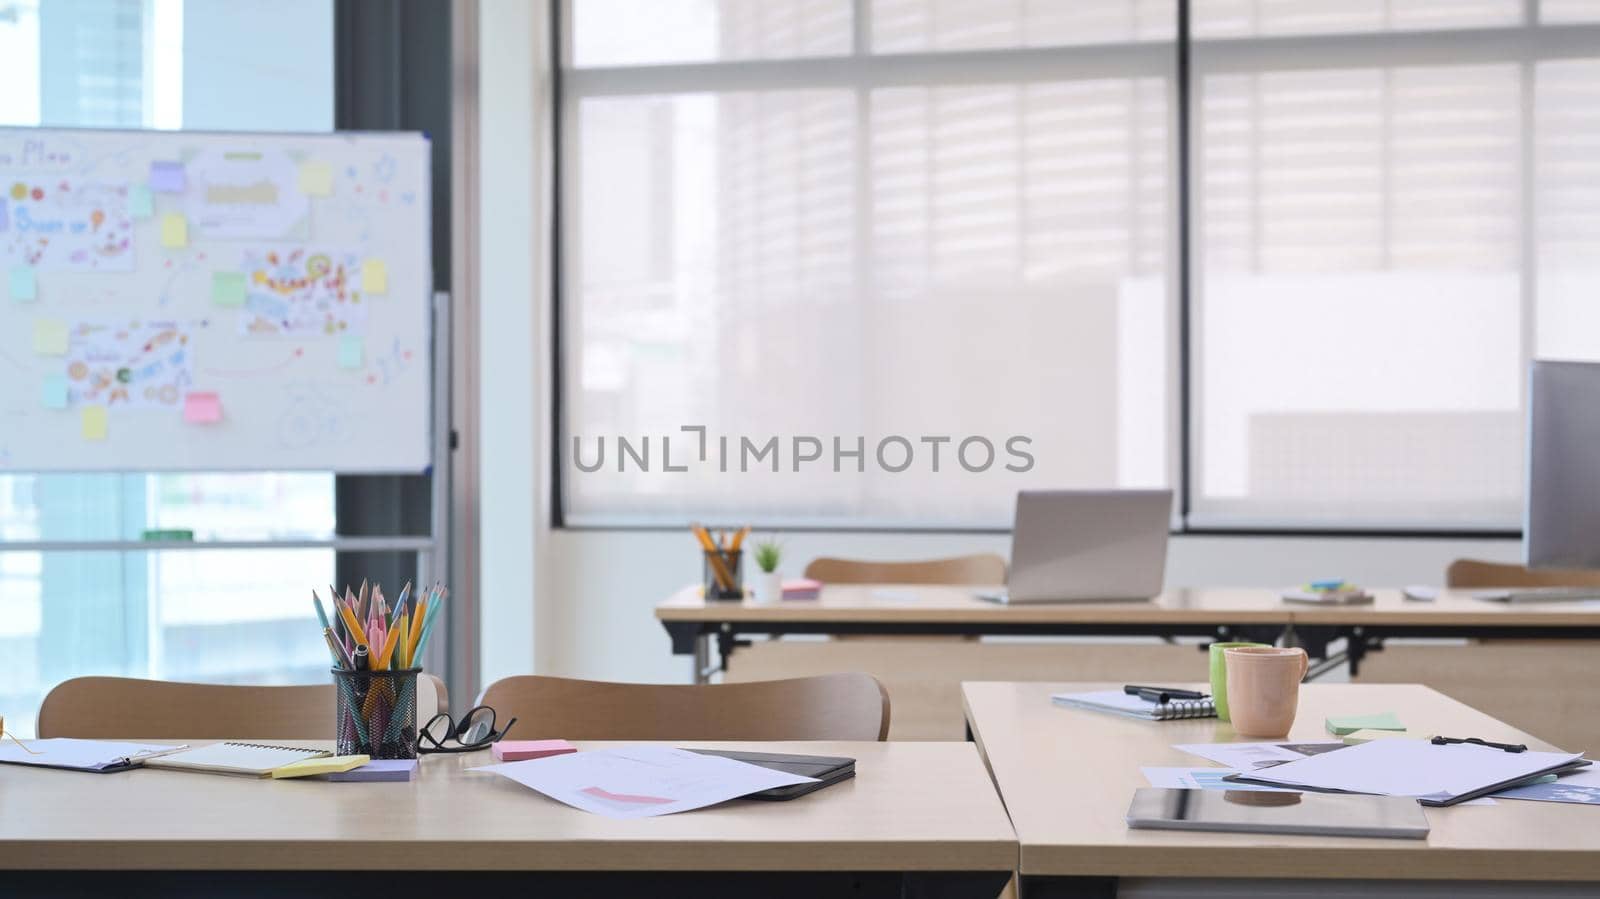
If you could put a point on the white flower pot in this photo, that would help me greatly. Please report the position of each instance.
(771, 587)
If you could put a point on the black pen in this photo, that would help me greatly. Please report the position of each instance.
(1161, 694)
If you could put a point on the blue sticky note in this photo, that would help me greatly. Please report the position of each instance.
(140, 204)
(167, 177)
(53, 393)
(351, 352)
(5, 214)
(24, 285)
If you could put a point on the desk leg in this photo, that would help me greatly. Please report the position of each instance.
(702, 658)
(1031, 887)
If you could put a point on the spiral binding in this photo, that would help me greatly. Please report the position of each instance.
(1175, 709)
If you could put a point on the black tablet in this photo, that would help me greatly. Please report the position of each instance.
(827, 769)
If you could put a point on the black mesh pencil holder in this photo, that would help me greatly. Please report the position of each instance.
(376, 712)
(724, 574)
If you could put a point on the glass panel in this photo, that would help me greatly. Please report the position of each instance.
(1554, 11)
(907, 26)
(1250, 18)
(653, 32)
(789, 266)
(232, 616)
(1360, 314)
(1568, 190)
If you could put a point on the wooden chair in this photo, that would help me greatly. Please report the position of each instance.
(828, 707)
(1472, 574)
(133, 709)
(976, 570)
(1509, 679)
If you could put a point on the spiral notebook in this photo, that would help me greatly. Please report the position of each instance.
(240, 759)
(1119, 703)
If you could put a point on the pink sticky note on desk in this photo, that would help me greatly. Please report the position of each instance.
(520, 750)
(202, 408)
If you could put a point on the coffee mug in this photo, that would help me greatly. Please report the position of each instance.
(1264, 688)
(1219, 675)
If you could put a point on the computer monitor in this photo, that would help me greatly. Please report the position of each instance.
(1561, 511)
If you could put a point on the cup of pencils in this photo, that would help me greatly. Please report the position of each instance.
(724, 575)
(377, 654)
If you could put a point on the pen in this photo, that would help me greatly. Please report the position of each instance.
(1168, 692)
(1508, 747)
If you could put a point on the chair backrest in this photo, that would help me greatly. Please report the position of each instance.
(976, 570)
(133, 709)
(824, 707)
(1472, 574)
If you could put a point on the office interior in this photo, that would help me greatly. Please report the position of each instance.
(856, 274)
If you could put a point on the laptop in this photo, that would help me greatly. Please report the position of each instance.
(1087, 546)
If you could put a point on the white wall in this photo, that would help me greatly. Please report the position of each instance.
(580, 603)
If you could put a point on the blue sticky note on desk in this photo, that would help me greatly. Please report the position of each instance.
(140, 204)
(167, 177)
(53, 392)
(351, 352)
(24, 284)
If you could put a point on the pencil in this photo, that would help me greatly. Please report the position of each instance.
(356, 632)
(387, 652)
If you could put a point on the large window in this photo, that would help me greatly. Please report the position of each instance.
(881, 219)
(75, 603)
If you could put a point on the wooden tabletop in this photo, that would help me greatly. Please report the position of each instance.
(1068, 775)
(1220, 605)
(960, 604)
(911, 807)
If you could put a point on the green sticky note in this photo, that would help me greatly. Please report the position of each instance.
(227, 288)
(53, 393)
(141, 205)
(24, 285)
(1339, 725)
(351, 352)
(49, 337)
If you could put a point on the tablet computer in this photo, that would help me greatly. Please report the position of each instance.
(827, 769)
(1278, 811)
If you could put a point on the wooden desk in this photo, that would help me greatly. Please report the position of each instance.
(918, 816)
(1068, 775)
(1224, 613)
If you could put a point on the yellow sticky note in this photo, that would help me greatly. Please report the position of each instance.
(94, 422)
(374, 276)
(174, 231)
(49, 337)
(316, 179)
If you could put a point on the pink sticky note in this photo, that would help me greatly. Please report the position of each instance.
(202, 408)
(519, 750)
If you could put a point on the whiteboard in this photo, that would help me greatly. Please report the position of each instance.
(194, 301)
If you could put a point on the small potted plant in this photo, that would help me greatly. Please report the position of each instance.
(769, 554)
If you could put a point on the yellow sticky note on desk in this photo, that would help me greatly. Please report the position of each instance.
(174, 231)
(94, 422)
(49, 337)
(316, 179)
(374, 276)
(331, 764)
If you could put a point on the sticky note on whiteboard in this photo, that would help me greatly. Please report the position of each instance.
(316, 179)
(202, 408)
(167, 177)
(24, 285)
(227, 288)
(49, 337)
(351, 352)
(174, 231)
(5, 215)
(374, 276)
(53, 392)
(94, 422)
(141, 205)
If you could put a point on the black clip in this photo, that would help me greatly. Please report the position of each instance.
(1508, 747)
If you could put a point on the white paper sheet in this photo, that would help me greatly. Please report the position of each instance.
(1248, 756)
(1411, 768)
(642, 781)
(63, 752)
(1212, 779)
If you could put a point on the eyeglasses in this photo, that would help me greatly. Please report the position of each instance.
(475, 731)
